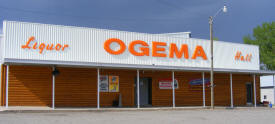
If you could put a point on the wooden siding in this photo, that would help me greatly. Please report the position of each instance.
(126, 88)
(160, 97)
(77, 87)
(187, 95)
(30, 86)
(239, 88)
(3, 85)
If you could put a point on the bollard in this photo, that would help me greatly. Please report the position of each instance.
(270, 105)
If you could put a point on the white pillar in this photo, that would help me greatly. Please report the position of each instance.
(274, 89)
(138, 106)
(231, 91)
(7, 87)
(254, 86)
(173, 87)
(203, 90)
(53, 90)
(98, 88)
(1, 79)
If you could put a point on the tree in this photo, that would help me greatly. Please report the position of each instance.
(264, 37)
(216, 39)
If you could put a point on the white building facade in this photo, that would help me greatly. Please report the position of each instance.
(267, 89)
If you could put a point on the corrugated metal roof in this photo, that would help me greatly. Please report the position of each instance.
(86, 46)
(92, 38)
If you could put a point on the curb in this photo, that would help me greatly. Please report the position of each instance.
(31, 110)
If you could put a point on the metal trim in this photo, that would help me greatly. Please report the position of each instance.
(7, 86)
(112, 65)
(53, 90)
(231, 92)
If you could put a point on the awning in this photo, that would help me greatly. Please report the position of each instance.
(131, 66)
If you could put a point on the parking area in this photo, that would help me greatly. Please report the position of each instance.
(198, 116)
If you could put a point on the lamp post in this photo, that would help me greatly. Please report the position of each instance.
(224, 9)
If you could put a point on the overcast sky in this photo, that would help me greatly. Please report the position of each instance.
(146, 16)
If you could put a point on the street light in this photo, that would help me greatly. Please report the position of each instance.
(224, 9)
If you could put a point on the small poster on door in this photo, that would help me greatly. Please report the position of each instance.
(168, 83)
(104, 84)
(113, 84)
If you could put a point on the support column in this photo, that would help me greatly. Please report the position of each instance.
(7, 87)
(138, 106)
(98, 88)
(274, 88)
(254, 86)
(173, 87)
(1, 82)
(203, 90)
(53, 90)
(231, 91)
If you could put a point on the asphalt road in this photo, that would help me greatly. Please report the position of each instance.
(219, 116)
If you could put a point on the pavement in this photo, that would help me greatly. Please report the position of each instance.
(157, 116)
(85, 109)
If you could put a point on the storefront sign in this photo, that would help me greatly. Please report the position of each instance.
(158, 49)
(199, 82)
(240, 57)
(43, 43)
(32, 44)
(104, 84)
(168, 83)
(113, 84)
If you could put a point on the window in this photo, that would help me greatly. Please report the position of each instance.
(264, 96)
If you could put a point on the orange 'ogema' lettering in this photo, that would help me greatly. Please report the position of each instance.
(144, 49)
(158, 49)
(118, 41)
(174, 50)
(199, 52)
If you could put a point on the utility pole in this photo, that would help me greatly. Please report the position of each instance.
(212, 66)
(211, 18)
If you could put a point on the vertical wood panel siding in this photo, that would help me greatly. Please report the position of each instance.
(189, 95)
(160, 97)
(3, 85)
(30, 86)
(126, 88)
(76, 87)
(239, 88)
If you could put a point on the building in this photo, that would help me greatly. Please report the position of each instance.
(267, 89)
(65, 66)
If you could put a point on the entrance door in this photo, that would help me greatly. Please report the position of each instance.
(249, 93)
(145, 92)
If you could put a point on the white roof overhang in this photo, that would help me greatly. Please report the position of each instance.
(131, 66)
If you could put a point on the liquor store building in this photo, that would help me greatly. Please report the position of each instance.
(64, 66)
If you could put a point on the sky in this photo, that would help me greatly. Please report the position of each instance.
(146, 16)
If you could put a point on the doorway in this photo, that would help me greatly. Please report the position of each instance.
(145, 92)
(249, 93)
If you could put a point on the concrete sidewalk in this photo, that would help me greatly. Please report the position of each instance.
(157, 116)
(83, 109)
